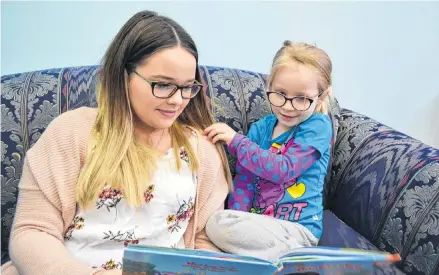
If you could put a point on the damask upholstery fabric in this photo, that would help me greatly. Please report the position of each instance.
(385, 185)
(382, 189)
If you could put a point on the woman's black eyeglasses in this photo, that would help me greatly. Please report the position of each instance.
(167, 90)
(300, 103)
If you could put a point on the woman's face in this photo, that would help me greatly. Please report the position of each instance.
(168, 66)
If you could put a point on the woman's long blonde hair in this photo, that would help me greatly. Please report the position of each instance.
(115, 158)
(310, 56)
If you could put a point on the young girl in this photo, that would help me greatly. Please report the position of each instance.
(281, 165)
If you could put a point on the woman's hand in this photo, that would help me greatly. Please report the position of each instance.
(220, 132)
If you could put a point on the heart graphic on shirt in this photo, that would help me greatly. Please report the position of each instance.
(296, 190)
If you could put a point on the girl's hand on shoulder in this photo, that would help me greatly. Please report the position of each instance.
(219, 132)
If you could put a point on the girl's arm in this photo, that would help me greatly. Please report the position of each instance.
(271, 166)
(311, 141)
(242, 196)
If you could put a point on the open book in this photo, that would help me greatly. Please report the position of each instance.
(146, 260)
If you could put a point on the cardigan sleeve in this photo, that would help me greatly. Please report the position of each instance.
(46, 200)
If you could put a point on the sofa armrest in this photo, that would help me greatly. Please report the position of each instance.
(385, 185)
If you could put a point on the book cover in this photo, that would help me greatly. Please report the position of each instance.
(147, 260)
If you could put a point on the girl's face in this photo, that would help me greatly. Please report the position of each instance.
(293, 81)
(168, 66)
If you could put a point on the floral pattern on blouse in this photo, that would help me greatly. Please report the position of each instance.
(184, 155)
(77, 224)
(109, 198)
(115, 224)
(148, 193)
(184, 213)
(112, 264)
(127, 237)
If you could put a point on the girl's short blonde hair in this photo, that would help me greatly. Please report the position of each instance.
(310, 56)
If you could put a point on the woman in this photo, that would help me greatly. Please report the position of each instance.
(135, 170)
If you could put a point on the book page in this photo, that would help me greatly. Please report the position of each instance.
(317, 251)
(328, 268)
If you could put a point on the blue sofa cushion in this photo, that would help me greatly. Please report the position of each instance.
(336, 233)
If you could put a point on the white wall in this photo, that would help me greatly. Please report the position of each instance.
(385, 54)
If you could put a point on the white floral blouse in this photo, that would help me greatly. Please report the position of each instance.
(98, 236)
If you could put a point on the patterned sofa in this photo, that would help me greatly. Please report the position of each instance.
(382, 191)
